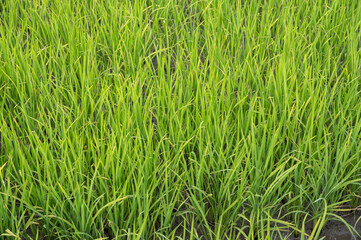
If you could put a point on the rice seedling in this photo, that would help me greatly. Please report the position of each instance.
(148, 119)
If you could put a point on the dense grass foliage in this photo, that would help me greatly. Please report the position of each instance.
(157, 119)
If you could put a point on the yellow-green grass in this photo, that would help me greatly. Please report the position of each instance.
(158, 119)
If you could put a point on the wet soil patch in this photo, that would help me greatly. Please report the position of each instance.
(337, 230)
(334, 229)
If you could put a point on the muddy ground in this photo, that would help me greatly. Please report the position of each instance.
(336, 230)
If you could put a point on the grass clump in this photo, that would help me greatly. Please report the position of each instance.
(179, 119)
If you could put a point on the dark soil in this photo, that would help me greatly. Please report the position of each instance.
(335, 230)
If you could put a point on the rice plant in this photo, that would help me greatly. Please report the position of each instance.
(157, 119)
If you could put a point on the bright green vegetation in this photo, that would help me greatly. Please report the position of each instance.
(157, 119)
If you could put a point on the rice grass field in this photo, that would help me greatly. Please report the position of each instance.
(182, 119)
